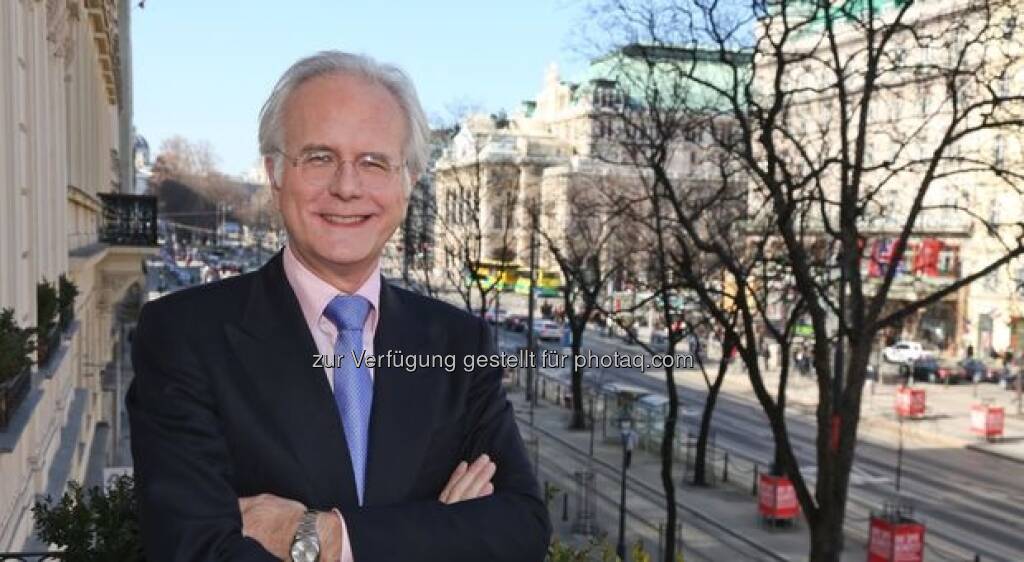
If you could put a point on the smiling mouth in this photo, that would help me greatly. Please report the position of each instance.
(345, 220)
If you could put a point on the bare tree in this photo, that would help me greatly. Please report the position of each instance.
(478, 186)
(182, 157)
(846, 123)
(581, 242)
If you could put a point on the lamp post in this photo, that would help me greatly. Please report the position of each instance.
(531, 341)
(628, 442)
(591, 416)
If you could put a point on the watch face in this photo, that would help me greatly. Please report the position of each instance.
(305, 550)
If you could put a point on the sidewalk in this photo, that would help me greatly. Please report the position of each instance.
(946, 423)
(718, 523)
(947, 419)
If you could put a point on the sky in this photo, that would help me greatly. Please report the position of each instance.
(202, 68)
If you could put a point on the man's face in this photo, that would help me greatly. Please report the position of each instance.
(340, 229)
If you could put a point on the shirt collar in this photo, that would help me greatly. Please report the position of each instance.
(314, 293)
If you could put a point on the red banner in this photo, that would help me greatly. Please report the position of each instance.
(777, 498)
(910, 402)
(895, 542)
(926, 262)
(987, 421)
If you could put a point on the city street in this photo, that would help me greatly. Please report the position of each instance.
(972, 502)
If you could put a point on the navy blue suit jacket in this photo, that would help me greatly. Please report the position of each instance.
(226, 402)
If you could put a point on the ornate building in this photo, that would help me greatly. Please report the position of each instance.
(65, 210)
(551, 159)
(972, 198)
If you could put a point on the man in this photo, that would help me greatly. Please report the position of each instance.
(248, 447)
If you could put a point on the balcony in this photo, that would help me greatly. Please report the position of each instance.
(12, 392)
(128, 220)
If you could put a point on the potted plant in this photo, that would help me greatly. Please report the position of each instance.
(46, 319)
(68, 291)
(16, 348)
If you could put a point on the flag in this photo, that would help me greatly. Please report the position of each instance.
(927, 260)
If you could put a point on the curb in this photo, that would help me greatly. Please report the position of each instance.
(880, 425)
(981, 448)
(883, 425)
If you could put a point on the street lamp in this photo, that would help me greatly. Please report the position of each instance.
(628, 442)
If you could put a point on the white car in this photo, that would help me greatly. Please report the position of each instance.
(547, 330)
(903, 352)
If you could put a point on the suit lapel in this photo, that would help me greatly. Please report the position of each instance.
(404, 404)
(274, 345)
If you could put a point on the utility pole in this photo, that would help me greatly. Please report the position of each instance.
(506, 226)
(531, 375)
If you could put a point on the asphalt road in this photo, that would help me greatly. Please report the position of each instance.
(972, 503)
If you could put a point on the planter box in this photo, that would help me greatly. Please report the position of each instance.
(12, 393)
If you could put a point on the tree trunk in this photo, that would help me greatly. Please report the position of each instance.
(699, 468)
(667, 449)
(579, 420)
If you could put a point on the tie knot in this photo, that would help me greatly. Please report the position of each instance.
(347, 312)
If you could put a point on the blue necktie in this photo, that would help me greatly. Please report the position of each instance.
(353, 387)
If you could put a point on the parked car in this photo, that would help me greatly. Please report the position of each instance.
(935, 369)
(903, 352)
(515, 323)
(547, 330)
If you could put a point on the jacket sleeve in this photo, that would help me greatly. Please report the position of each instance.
(188, 509)
(511, 525)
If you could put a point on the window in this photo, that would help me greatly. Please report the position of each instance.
(947, 260)
(1009, 26)
(692, 133)
(899, 57)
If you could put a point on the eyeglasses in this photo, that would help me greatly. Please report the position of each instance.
(321, 167)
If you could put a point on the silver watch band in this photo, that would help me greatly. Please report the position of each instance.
(306, 535)
(307, 525)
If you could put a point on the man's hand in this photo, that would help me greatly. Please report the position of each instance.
(272, 521)
(470, 482)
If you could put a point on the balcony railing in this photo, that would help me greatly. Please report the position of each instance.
(12, 392)
(48, 344)
(128, 220)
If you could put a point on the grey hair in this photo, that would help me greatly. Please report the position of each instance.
(392, 78)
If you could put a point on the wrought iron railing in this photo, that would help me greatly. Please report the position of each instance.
(12, 392)
(128, 220)
(30, 556)
(49, 343)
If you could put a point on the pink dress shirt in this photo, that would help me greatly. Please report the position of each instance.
(313, 294)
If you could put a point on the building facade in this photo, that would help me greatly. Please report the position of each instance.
(62, 213)
(948, 58)
(563, 161)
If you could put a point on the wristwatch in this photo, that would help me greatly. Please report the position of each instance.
(306, 544)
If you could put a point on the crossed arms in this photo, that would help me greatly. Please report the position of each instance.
(190, 510)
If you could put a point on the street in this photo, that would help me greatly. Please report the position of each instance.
(972, 502)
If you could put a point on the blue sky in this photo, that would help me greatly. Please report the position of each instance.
(203, 68)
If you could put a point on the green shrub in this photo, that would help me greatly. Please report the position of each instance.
(92, 526)
(597, 550)
(66, 300)
(47, 307)
(16, 346)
